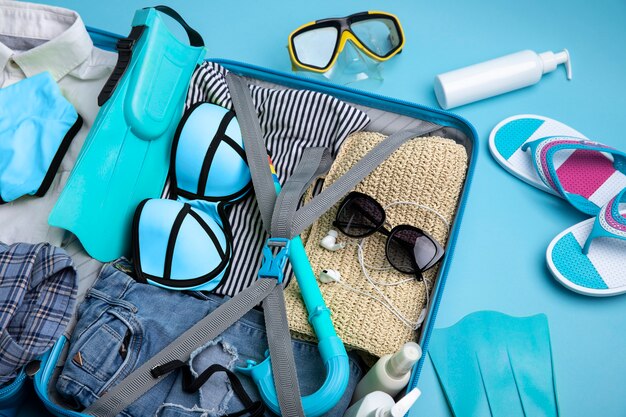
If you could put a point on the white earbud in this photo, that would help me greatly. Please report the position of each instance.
(329, 242)
(329, 275)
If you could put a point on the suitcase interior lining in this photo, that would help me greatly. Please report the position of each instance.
(382, 121)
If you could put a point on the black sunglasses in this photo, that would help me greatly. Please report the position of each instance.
(409, 249)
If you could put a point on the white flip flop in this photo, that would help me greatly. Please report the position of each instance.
(590, 257)
(557, 159)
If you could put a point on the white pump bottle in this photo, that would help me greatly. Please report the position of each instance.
(380, 404)
(497, 76)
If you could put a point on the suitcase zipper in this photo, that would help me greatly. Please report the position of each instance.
(461, 121)
(54, 408)
(13, 387)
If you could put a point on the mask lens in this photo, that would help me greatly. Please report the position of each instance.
(360, 216)
(315, 47)
(379, 35)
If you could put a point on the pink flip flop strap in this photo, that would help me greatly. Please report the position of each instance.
(609, 222)
(610, 217)
(585, 171)
(569, 173)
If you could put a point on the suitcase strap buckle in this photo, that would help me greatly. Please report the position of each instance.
(275, 254)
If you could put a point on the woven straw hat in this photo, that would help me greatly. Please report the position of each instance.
(428, 171)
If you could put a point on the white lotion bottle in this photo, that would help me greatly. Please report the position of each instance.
(497, 76)
(380, 404)
(390, 374)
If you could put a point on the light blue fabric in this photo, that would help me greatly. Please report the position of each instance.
(492, 364)
(152, 250)
(34, 121)
(118, 311)
(228, 171)
(195, 254)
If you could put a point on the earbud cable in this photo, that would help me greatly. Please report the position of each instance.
(385, 302)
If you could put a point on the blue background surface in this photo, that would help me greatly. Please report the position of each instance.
(499, 262)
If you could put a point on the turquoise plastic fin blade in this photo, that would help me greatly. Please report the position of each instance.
(458, 373)
(530, 351)
(126, 155)
(497, 374)
(490, 363)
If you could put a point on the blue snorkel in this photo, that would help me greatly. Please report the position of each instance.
(330, 346)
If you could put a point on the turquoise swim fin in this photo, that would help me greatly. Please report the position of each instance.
(492, 364)
(126, 156)
(458, 373)
(535, 379)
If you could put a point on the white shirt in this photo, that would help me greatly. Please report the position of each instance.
(36, 38)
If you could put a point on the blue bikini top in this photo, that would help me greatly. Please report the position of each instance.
(186, 243)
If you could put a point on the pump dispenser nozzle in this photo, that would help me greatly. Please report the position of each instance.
(404, 405)
(550, 60)
(381, 404)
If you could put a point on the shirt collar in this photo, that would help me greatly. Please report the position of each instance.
(66, 43)
(5, 55)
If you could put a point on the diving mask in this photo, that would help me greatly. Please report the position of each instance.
(315, 46)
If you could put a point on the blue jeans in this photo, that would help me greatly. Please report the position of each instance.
(122, 324)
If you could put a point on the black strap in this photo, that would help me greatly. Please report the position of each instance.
(171, 240)
(195, 39)
(192, 384)
(124, 54)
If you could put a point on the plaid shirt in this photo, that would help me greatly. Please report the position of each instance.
(37, 299)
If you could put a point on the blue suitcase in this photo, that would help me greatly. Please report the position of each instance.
(452, 126)
(12, 395)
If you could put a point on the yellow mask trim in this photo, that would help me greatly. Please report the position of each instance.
(344, 37)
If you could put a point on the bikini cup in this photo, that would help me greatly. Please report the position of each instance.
(186, 243)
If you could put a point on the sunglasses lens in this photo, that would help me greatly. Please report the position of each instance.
(360, 216)
(424, 252)
(315, 47)
(408, 247)
(380, 35)
(400, 249)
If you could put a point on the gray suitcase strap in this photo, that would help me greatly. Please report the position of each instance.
(276, 326)
(279, 215)
(142, 379)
